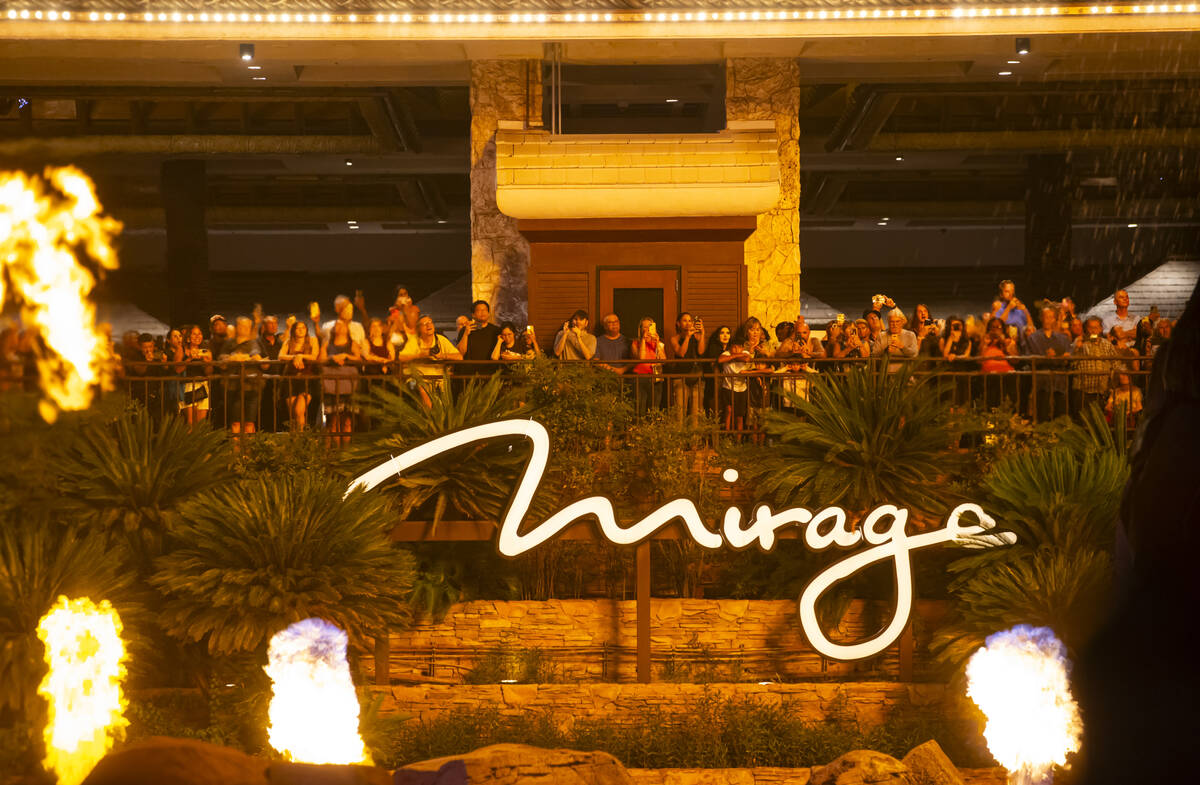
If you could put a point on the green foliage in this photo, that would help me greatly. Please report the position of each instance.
(1062, 505)
(860, 440)
(700, 663)
(129, 476)
(474, 482)
(273, 454)
(505, 663)
(582, 406)
(711, 733)
(39, 561)
(257, 555)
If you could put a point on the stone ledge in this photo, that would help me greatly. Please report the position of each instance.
(632, 200)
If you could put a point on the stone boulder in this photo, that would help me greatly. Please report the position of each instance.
(510, 764)
(928, 765)
(165, 761)
(862, 767)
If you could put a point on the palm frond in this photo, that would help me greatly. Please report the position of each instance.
(255, 556)
(859, 440)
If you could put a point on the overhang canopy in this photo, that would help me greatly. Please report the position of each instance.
(540, 175)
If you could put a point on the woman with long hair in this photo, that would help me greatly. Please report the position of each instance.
(647, 347)
(339, 358)
(753, 339)
(380, 352)
(299, 353)
(718, 344)
(194, 399)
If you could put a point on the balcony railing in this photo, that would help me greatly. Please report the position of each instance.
(272, 399)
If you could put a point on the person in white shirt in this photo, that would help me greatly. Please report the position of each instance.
(343, 308)
(1122, 319)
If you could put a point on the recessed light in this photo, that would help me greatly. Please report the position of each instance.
(672, 100)
(349, 162)
(258, 78)
(441, 220)
(1014, 62)
(352, 226)
(246, 51)
(351, 221)
(899, 158)
(1004, 73)
(881, 223)
(254, 67)
(1132, 226)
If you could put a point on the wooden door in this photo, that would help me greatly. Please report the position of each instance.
(634, 293)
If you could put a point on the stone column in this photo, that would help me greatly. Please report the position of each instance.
(768, 89)
(183, 185)
(509, 92)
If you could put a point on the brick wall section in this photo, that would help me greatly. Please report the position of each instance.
(765, 775)
(867, 703)
(529, 158)
(594, 640)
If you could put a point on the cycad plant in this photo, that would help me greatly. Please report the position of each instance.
(475, 481)
(129, 476)
(860, 440)
(1062, 505)
(39, 561)
(252, 557)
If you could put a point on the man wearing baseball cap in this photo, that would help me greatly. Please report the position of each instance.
(218, 333)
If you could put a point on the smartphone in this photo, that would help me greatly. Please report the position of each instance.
(529, 328)
(841, 318)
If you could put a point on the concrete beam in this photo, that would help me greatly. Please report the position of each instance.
(188, 145)
(1036, 141)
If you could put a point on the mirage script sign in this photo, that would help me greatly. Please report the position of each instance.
(883, 530)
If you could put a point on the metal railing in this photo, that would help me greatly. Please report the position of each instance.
(258, 396)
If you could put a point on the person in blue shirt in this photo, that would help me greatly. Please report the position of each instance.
(1011, 310)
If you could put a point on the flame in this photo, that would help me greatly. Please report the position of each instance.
(83, 687)
(1019, 679)
(314, 709)
(44, 221)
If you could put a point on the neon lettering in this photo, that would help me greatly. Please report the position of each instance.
(883, 529)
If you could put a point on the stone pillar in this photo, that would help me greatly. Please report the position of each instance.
(1048, 227)
(183, 186)
(509, 92)
(768, 89)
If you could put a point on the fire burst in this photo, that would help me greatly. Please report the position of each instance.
(314, 709)
(1019, 679)
(44, 222)
(83, 687)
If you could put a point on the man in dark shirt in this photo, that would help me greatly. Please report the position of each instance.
(611, 346)
(1050, 384)
(242, 356)
(146, 383)
(478, 337)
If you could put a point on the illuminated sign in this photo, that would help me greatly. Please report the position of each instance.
(883, 529)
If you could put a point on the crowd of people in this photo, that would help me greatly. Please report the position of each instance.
(252, 372)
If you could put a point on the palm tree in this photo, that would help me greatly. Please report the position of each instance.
(1062, 505)
(40, 561)
(860, 440)
(255, 556)
(129, 476)
(474, 482)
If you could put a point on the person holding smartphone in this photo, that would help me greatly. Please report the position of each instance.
(477, 338)
(687, 346)
(648, 347)
(573, 341)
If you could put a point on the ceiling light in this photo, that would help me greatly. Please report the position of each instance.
(349, 162)
(254, 67)
(881, 223)
(258, 78)
(1014, 62)
(1004, 73)
(1023, 46)
(1132, 226)
(899, 158)
(441, 220)
(672, 100)
(246, 51)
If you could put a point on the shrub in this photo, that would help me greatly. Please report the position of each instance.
(255, 556)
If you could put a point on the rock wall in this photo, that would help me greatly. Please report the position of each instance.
(768, 89)
(867, 703)
(595, 640)
(510, 92)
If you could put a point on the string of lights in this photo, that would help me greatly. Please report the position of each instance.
(541, 18)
